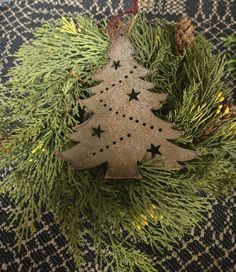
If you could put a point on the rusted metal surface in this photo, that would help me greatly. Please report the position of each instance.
(123, 130)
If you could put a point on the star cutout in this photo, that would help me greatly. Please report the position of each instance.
(154, 150)
(133, 95)
(97, 131)
(116, 64)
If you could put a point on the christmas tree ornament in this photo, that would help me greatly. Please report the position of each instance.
(119, 131)
(123, 129)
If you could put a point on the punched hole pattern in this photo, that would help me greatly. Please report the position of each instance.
(120, 81)
(130, 118)
(124, 115)
(114, 143)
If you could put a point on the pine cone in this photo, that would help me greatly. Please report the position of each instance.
(184, 34)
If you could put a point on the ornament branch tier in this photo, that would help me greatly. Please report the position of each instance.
(123, 130)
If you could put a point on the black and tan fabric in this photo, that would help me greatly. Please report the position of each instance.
(209, 248)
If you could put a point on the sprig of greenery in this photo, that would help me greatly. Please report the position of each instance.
(230, 42)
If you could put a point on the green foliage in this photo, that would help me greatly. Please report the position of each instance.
(40, 108)
(230, 42)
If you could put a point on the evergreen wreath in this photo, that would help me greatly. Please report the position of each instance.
(40, 108)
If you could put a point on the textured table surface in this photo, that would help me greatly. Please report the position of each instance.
(210, 247)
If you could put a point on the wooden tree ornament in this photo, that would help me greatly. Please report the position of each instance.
(123, 130)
